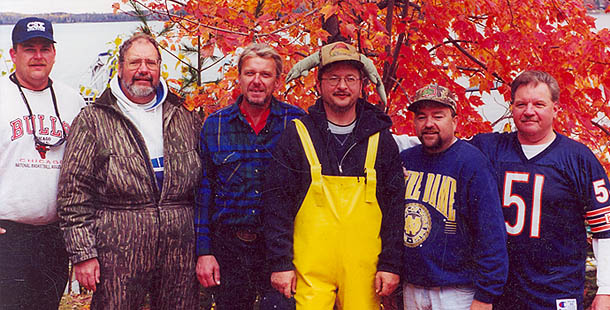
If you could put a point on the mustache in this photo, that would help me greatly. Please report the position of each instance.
(340, 93)
(142, 78)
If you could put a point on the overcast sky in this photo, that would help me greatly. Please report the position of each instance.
(49, 6)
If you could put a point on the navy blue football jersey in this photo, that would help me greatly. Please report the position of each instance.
(545, 202)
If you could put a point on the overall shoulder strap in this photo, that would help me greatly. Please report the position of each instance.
(369, 168)
(312, 158)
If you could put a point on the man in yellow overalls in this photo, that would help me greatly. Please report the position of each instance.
(333, 214)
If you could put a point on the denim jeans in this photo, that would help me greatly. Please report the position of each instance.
(33, 266)
(243, 274)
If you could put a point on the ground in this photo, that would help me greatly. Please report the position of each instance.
(80, 302)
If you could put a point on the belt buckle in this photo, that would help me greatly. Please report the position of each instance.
(246, 236)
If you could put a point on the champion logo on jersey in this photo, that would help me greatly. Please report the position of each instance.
(566, 304)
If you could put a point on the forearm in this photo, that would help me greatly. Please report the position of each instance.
(391, 203)
(202, 221)
(77, 190)
(278, 224)
(601, 249)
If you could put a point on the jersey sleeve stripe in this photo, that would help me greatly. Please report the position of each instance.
(597, 221)
(601, 228)
(597, 212)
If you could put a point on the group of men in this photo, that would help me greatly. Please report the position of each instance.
(314, 210)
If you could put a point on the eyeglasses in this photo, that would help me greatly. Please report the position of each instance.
(151, 64)
(350, 80)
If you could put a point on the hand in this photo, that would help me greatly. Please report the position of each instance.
(601, 302)
(208, 271)
(88, 273)
(386, 283)
(373, 75)
(2, 230)
(479, 305)
(303, 66)
(285, 282)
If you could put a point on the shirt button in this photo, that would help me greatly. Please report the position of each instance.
(256, 171)
(256, 192)
(256, 150)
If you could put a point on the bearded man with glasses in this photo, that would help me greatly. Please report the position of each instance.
(333, 196)
(35, 113)
(126, 189)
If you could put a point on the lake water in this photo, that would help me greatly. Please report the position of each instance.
(79, 44)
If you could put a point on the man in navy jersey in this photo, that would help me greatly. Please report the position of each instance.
(454, 236)
(548, 185)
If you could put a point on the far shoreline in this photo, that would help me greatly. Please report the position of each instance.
(10, 18)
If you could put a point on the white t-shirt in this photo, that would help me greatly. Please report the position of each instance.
(28, 182)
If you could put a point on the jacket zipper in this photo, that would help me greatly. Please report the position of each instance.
(342, 158)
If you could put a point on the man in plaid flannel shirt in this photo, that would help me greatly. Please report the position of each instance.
(235, 150)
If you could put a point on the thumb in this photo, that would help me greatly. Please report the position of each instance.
(378, 284)
(293, 285)
(96, 272)
(216, 274)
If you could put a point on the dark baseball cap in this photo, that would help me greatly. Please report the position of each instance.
(32, 27)
(434, 93)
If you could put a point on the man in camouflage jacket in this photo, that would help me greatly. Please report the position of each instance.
(126, 196)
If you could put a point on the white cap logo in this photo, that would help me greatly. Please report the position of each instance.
(35, 26)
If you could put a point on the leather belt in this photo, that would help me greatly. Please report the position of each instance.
(246, 236)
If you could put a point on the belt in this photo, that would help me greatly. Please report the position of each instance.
(246, 235)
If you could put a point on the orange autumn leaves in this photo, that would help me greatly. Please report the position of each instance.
(459, 44)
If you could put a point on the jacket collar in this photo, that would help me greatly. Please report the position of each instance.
(107, 100)
(369, 119)
(234, 112)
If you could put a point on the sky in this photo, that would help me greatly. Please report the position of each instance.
(49, 6)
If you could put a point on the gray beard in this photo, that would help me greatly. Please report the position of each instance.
(140, 91)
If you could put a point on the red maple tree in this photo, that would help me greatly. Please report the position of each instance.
(483, 44)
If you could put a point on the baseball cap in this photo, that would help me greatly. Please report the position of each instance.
(338, 51)
(435, 93)
(32, 27)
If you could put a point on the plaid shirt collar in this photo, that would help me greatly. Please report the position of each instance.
(234, 112)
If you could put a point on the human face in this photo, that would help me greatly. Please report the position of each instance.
(258, 80)
(533, 113)
(435, 127)
(140, 72)
(342, 97)
(33, 61)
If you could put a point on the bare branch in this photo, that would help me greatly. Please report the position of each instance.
(290, 25)
(503, 117)
(604, 129)
(447, 42)
(474, 59)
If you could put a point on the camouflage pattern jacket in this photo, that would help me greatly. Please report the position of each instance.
(107, 183)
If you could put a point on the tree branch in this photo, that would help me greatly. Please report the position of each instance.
(447, 42)
(478, 62)
(604, 129)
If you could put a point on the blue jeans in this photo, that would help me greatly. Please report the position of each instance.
(243, 275)
(33, 266)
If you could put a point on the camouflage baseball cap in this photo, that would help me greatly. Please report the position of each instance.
(338, 51)
(435, 93)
